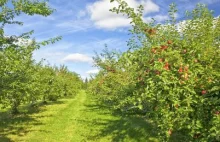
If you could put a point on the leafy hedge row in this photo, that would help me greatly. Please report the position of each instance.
(23, 80)
(171, 73)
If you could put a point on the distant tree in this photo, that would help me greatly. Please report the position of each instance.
(86, 83)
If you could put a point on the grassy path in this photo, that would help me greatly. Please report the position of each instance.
(78, 119)
(63, 126)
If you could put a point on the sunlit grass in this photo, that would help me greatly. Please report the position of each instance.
(74, 120)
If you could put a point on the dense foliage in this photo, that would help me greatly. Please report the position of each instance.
(23, 80)
(171, 73)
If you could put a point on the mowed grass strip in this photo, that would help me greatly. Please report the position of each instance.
(44, 123)
(60, 127)
(78, 119)
(101, 124)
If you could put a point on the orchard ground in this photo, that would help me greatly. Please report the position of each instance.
(72, 119)
(75, 119)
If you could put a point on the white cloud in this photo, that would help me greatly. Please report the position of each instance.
(149, 6)
(53, 53)
(158, 18)
(103, 18)
(77, 57)
(92, 71)
(112, 23)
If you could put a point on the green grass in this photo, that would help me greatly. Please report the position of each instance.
(78, 119)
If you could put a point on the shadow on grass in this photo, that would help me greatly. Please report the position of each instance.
(50, 103)
(15, 125)
(120, 127)
(4, 139)
(127, 127)
(19, 125)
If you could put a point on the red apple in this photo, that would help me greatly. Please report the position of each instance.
(169, 42)
(154, 50)
(163, 47)
(204, 92)
(151, 31)
(157, 72)
(217, 112)
(186, 68)
(160, 60)
(180, 70)
(166, 67)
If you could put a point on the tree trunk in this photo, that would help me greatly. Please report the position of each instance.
(14, 108)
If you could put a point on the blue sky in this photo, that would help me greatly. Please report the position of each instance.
(87, 25)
